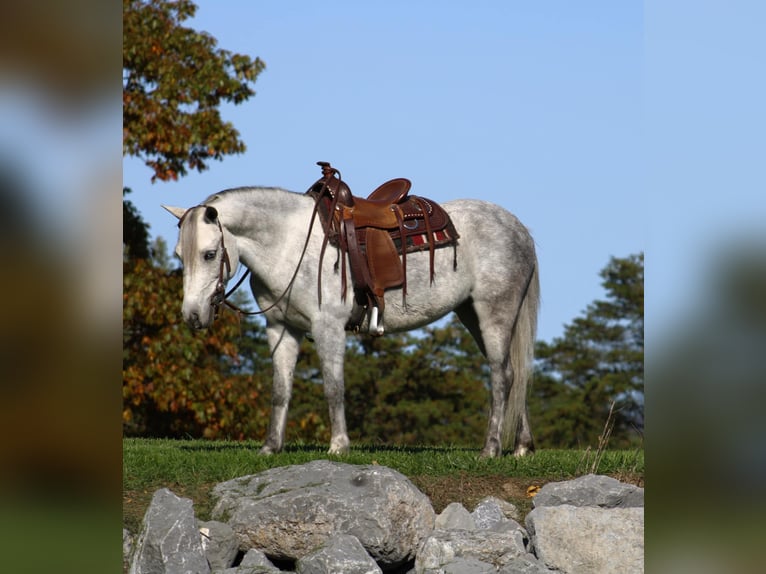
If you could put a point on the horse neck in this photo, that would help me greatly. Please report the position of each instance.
(266, 222)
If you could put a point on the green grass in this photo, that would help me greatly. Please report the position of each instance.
(190, 468)
(151, 462)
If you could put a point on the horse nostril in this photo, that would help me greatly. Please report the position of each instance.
(194, 320)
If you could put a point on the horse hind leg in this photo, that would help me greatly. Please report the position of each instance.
(508, 376)
(493, 343)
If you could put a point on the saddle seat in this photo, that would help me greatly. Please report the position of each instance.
(393, 191)
(377, 233)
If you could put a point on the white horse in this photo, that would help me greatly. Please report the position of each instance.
(494, 290)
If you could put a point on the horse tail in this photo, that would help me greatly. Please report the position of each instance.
(523, 339)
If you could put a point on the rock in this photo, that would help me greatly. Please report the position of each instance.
(442, 547)
(524, 564)
(461, 565)
(590, 490)
(254, 562)
(337, 514)
(341, 554)
(219, 543)
(127, 548)
(257, 559)
(169, 542)
(288, 512)
(455, 517)
(588, 539)
(508, 509)
(488, 514)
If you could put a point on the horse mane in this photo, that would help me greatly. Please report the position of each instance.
(242, 190)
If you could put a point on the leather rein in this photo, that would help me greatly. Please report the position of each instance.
(220, 295)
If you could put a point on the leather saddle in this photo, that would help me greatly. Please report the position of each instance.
(377, 233)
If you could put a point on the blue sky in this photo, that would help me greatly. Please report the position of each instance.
(534, 107)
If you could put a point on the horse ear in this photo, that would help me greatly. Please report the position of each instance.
(177, 211)
(211, 214)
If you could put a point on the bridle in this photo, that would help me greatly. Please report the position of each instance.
(220, 295)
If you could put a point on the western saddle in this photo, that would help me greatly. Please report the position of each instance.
(377, 233)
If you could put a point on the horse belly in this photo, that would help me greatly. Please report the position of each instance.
(427, 302)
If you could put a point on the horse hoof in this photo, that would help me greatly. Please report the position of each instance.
(266, 450)
(340, 446)
(521, 451)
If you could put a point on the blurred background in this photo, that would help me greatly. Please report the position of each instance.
(60, 192)
(60, 177)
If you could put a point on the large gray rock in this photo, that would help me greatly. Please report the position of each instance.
(443, 547)
(588, 540)
(590, 490)
(288, 512)
(341, 554)
(169, 542)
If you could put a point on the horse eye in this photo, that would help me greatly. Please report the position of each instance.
(209, 255)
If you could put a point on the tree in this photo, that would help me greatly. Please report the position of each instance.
(177, 382)
(598, 361)
(428, 388)
(174, 81)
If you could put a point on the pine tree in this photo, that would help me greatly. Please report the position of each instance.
(598, 361)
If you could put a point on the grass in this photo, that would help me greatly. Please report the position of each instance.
(190, 468)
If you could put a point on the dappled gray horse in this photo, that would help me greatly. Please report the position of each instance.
(494, 290)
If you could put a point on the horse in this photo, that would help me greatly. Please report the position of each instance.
(490, 282)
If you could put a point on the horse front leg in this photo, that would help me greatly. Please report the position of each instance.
(331, 348)
(284, 344)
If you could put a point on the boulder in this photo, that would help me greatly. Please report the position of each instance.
(288, 512)
(341, 554)
(590, 490)
(170, 541)
(588, 540)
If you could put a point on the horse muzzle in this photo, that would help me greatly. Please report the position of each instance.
(199, 319)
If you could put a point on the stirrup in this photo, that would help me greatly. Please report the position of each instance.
(375, 328)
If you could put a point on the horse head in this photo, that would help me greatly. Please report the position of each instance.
(208, 252)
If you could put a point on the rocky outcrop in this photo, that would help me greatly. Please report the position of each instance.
(328, 517)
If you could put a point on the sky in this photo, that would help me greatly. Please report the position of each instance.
(536, 107)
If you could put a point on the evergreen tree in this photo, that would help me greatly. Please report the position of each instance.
(598, 361)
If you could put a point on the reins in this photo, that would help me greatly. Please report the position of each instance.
(220, 296)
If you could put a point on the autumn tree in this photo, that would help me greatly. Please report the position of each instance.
(174, 82)
(598, 361)
(177, 382)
